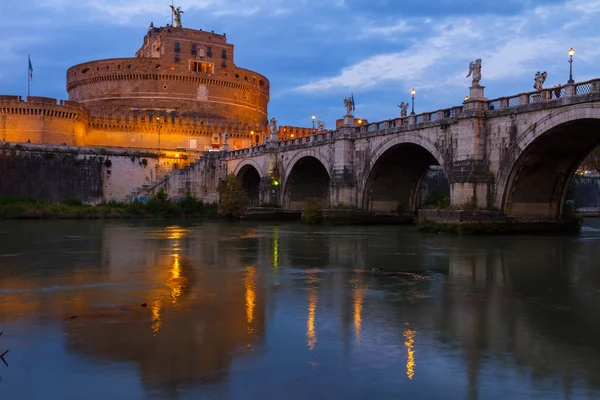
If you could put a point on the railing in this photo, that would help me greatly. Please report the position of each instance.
(545, 95)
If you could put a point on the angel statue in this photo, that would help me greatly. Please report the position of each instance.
(539, 80)
(273, 125)
(403, 109)
(225, 136)
(349, 104)
(177, 16)
(321, 126)
(475, 71)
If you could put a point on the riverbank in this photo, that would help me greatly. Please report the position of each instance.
(469, 222)
(155, 207)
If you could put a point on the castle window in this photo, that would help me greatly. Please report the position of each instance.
(177, 47)
(177, 58)
(223, 64)
(199, 66)
(237, 76)
(194, 50)
(209, 52)
(224, 54)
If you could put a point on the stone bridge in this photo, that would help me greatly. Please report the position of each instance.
(515, 154)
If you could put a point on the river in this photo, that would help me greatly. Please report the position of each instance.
(191, 310)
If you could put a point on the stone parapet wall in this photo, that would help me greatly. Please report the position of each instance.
(90, 174)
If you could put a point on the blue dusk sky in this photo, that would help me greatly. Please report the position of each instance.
(315, 52)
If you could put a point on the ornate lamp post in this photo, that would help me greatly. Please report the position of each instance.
(158, 126)
(412, 92)
(571, 54)
(313, 120)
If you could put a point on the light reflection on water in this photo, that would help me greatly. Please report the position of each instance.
(246, 311)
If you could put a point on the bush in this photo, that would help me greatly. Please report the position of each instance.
(313, 211)
(234, 200)
(72, 202)
(160, 206)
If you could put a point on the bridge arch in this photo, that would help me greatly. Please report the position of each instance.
(249, 176)
(535, 174)
(307, 176)
(395, 173)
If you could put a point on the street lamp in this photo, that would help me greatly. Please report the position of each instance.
(466, 98)
(158, 126)
(412, 92)
(571, 54)
(313, 120)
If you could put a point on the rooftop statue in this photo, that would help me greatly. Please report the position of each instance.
(475, 71)
(177, 16)
(539, 80)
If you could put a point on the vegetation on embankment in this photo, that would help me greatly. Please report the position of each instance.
(158, 206)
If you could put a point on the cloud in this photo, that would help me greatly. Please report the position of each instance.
(441, 48)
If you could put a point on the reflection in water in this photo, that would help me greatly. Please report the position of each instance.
(358, 295)
(313, 298)
(250, 285)
(488, 311)
(177, 281)
(409, 334)
(155, 324)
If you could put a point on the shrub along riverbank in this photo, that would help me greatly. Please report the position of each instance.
(158, 206)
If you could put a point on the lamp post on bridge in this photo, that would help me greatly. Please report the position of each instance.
(412, 92)
(313, 121)
(571, 54)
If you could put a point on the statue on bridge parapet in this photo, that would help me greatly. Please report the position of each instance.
(273, 125)
(539, 79)
(403, 109)
(321, 126)
(349, 104)
(475, 72)
(177, 16)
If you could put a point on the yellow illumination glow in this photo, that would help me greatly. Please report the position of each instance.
(571, 52)
(250, 286)
(176, 155)
(176, 282)
(409, 334)
(413, 92)
(276, 248)
(252, 132)
(292, 135)
(313, 298)
(155, 317)
(466, 98)
(358, 297)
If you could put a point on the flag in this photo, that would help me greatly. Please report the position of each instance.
(30, 69)
(353, 104)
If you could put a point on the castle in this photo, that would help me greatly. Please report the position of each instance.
(182, 90)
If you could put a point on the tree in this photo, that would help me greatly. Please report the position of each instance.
(234, 199)
(592, 161)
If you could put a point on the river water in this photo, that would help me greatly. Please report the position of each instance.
(238, 311)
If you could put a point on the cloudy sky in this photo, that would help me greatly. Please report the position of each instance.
(315, 52)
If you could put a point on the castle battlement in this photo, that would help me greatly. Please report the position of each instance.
(185, 77)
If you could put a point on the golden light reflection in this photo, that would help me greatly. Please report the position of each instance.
(250, 285)
(313, 298)
(358, 296)
(276, 247)
(156, 323)
(177, 282)
(409, 334)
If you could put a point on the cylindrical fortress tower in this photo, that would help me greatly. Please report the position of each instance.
(177, 70)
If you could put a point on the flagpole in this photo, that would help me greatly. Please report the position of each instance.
(28, 76)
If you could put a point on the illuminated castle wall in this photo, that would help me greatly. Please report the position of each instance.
(182, 85)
